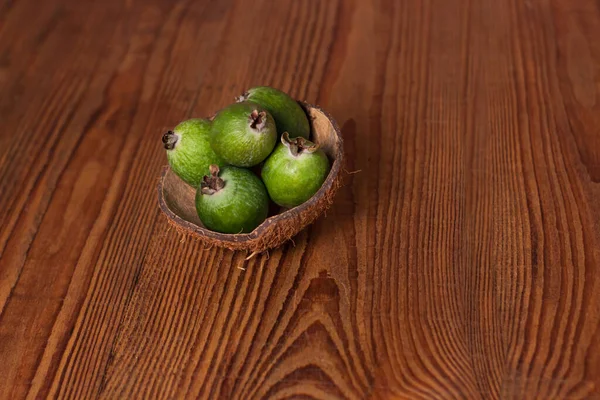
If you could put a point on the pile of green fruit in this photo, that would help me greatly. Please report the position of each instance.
(215, 158)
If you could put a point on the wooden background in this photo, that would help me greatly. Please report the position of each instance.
(462, 261)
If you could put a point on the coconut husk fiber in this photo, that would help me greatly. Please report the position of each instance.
(176, 198)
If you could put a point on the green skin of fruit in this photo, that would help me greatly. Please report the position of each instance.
(189, 152)
(238, 207)
(293, 179)
(287, 113)
(243, 134)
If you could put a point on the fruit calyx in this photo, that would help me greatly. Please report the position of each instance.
(169, 140)
(212, 184)
(298, 145)
(243, 97)
(257, 120)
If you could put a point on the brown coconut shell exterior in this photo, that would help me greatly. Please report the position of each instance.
(177, 199)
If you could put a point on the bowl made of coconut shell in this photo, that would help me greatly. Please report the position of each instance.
(177, 199)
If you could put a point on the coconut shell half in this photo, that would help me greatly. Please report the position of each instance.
(176, 198)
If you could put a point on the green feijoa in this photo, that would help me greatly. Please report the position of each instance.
(287, 113)
(243, 134)
(188, 150)
(231, 200)
(295, 171)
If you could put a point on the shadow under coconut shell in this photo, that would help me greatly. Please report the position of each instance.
(177, 199)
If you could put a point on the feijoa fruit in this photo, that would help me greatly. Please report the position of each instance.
(243, 134)
(189, 152)
(295, 171)
(289, 116)
(231, 200)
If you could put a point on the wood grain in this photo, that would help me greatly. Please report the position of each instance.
(460, 260)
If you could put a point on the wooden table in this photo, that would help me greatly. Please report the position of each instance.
(460, 260)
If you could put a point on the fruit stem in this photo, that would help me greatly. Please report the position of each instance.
(169, 140)
(257, 120)
(212, 184)
(298, 145)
